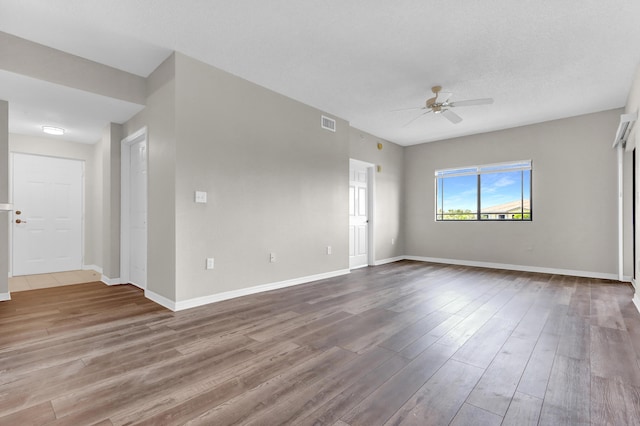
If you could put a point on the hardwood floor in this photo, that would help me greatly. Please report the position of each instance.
(407, 343)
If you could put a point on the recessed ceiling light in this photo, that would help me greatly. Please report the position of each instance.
(53, 130)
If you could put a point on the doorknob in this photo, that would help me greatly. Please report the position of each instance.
(20, 221)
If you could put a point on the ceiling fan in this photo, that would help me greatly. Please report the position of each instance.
(443, 106)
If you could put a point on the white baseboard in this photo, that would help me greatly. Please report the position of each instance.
(218, 297)
(523, 268)
(5, 296)
(160, 300)
(389, 260)
(92, 268)
(204, 300)
(636, 301)
(359, 267)
(110, 281)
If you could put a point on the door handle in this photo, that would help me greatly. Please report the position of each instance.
(20, 221)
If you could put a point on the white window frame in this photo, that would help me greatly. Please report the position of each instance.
(511, 166)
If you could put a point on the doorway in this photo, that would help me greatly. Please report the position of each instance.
(47, 223)
(360, 214)
(133, 250)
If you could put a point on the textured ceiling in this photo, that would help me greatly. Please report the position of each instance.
(361, 59)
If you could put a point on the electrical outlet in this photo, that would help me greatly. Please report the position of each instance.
(210, 263)
(272, 257)
(329, 250)
(201, 197)
(393, 241)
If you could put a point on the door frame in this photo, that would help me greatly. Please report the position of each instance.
(125, 183)
(634, 218)
(82, 203)
(371, 211)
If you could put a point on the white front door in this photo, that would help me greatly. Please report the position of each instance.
(47, 220)
(358, 215)
(134, 210)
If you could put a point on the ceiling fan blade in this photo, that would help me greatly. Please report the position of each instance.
(444, 97)
(414, 119)
(451, 116)
(471, 102)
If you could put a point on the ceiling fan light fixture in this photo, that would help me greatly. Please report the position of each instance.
(444, 107)
(57, 131)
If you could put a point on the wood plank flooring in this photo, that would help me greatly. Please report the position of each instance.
(407, 343)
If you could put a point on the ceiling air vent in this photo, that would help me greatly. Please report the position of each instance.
(328, 123)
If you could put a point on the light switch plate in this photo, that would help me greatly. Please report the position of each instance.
(201, 197)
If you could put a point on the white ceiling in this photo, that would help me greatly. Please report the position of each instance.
(360, 59)
(34, 103)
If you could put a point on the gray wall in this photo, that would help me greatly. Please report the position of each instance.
(574, 197)
(159, 117)
(35, 60)
(109, 147)
(276, 182)
(388, 223)
(93, 183)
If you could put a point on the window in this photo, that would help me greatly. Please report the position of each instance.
(489, 192)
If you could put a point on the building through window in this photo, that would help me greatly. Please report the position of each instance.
(490, 192)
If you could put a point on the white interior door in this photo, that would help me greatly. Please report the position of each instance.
(134, 214)
(358, 215)
(47, 220)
